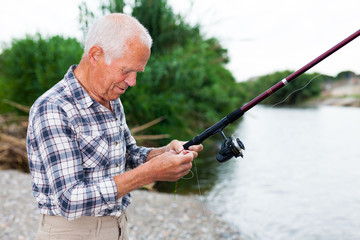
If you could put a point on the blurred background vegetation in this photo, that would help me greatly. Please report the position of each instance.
(186, 79)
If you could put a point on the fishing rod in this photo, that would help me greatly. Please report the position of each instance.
(232, 147)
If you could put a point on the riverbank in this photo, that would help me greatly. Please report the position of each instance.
(152, 215)
(337, 101)
(344, 93)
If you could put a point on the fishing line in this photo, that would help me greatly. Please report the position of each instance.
(297, 90)
(198, 184)
(188, 178)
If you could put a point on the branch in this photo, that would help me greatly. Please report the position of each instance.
(147, 125)
(17, 105)
(151, 137)
(13, 140)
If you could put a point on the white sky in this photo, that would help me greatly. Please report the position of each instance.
(262, 36)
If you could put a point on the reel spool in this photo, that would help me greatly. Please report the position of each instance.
(231, 147)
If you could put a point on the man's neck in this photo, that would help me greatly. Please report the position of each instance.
(82, 74)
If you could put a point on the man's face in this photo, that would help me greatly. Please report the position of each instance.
(110, 81)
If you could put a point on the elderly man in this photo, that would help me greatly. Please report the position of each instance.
(79, 144)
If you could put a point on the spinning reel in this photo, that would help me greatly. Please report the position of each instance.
(231, 147)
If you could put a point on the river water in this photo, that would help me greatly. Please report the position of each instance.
(299, 178)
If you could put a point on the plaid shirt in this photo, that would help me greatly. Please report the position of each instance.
(75, 148)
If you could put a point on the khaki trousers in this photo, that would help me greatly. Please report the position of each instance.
(89, 228)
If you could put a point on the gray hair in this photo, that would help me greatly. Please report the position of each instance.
(112, 34)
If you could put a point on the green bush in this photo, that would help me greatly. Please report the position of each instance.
(32, 65)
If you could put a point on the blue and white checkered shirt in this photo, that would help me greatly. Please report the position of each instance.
(75, 148)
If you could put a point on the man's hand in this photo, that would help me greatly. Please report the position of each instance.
(169, 163)
(172, 161)
(171, 166)
(177, 146)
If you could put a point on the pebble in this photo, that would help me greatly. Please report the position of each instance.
(152, 215)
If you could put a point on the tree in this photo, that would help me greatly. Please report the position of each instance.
(167, 29)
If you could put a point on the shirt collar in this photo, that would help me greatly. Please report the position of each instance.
(77, 91)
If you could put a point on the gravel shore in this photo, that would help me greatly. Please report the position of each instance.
(152, 215)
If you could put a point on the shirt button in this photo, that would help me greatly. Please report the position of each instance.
(116, 143)
(117, 165)
(118, 208)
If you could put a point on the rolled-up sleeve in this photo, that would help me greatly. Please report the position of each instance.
(54, 139)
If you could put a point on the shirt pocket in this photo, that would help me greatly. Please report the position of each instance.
(94, 150)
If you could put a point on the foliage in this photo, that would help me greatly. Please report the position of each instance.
(32, 65)
(167, 29)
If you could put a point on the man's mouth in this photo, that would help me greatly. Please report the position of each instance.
(122, 90)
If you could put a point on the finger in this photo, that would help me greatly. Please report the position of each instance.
(184, 151)
(177, 146)
(186, 156)
(196, 148)
(186, 169)
(195, 154)
(182, 142)
(187, 166)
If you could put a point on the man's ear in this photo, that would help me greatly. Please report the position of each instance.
(95, 53)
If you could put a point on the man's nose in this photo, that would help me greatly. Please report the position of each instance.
(131, 79)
